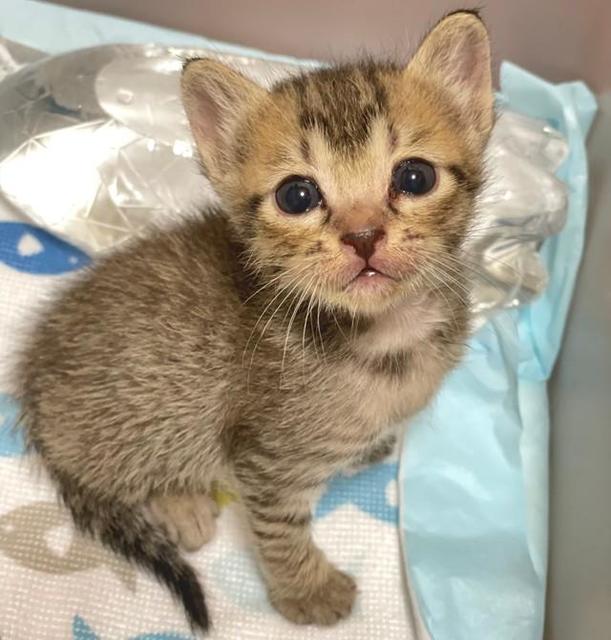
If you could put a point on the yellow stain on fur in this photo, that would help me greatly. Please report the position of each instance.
(222, 496)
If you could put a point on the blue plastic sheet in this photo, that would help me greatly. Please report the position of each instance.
(473, 478)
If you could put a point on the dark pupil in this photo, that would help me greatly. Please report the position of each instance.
(414, 181)
(297, 196)
(415, 178)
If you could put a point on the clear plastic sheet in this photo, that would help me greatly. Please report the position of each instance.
(103, 136)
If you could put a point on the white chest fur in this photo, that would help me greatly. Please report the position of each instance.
(402, 328)
(405, 331)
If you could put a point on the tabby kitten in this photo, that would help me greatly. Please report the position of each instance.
(278, 340)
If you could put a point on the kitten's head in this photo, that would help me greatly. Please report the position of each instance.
(354, 184)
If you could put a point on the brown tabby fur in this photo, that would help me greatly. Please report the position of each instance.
(231, 349)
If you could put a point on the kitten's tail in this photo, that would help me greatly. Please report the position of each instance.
(126, 531)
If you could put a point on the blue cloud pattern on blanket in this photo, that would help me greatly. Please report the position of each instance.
(82, 631)
(29, 249)
(370, 490)
(11, 442)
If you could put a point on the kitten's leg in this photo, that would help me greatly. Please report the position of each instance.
(302, 584)
(190, 520)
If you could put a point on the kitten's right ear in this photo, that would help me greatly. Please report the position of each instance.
(215, 98)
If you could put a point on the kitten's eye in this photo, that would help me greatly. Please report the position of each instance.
(413, 177)
(297, 195)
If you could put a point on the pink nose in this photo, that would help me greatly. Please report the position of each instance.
(364, 241)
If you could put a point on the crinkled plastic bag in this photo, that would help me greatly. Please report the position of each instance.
(473, 479)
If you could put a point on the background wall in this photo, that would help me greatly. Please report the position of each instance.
(559, 39)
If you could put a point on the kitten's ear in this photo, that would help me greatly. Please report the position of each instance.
(455, 55)
(215, 98)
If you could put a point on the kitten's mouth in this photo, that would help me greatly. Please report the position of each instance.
(370, 277)
(369, 272)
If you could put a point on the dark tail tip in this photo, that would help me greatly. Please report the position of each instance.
(126, 531)
(184, 584)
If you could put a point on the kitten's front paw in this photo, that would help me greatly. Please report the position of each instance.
(331, 601)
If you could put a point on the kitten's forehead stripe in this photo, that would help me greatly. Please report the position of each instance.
(241, 150)
(370, 73)
(420, 135)
(340, 102)
(393, 138)
(304, 147)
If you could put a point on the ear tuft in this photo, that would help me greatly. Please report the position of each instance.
(187, 61)
(476, 12)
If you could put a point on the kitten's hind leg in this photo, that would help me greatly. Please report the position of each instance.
(190, 520)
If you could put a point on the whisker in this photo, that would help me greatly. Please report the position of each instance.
(305, 322)
(453, 275)
(344, 336)
(435, 286)
(465, 263)
(322, 342)
(284, 274)
(293, 316)
(267, 324)
(269, 304)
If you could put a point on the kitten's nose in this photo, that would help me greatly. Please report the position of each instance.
(364, 241)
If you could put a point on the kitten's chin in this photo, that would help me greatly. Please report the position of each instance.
(370, 294)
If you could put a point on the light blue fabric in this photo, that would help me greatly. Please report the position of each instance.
(473, 478)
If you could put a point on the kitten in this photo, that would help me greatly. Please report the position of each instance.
(279, 340)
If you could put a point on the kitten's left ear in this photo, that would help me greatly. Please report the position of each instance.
(455, 55)
(216, 99)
